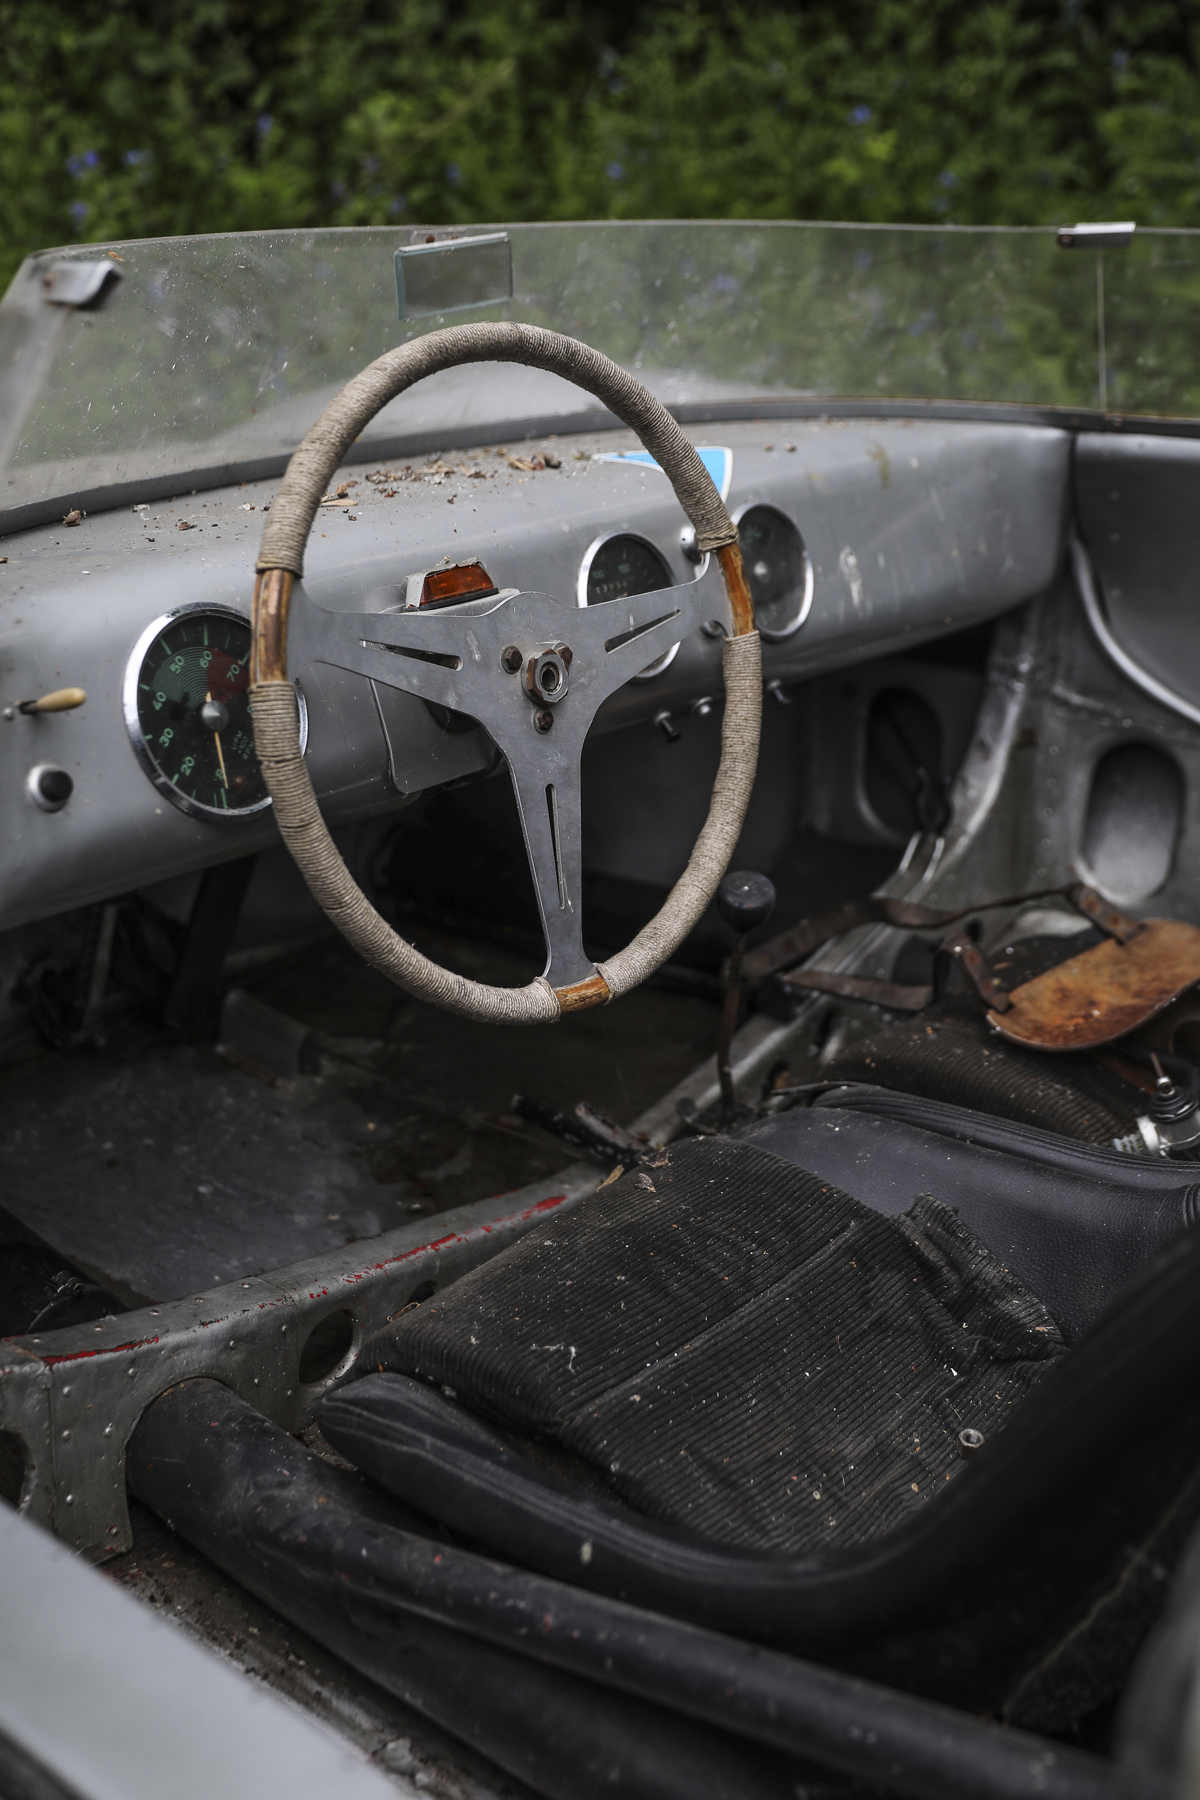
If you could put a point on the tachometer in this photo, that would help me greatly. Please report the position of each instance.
(187, 709)
(624, 564)
(777, 568)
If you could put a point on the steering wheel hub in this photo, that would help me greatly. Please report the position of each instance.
(546, 678)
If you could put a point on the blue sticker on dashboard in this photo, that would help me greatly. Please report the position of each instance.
(718, 462)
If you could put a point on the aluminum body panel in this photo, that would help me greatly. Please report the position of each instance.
(915, 528)
(120, 1704)
(1136, 499)
(75, 1395)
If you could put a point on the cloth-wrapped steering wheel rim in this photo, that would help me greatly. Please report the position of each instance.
(272, 697)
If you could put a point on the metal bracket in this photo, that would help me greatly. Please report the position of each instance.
(72, 1398)
(1104, 915)
(79, 284)
(978, 971)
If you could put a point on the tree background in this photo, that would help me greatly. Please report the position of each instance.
(132, 118)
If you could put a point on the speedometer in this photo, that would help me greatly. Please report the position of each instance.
(615, 567)
(187, 709)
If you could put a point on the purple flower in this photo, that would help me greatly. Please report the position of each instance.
(615, 171)
(265, 122)
(860, 115)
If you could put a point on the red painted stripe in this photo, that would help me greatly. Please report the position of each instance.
(111, 1350)
(453, 1237)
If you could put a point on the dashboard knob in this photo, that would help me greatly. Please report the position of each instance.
(745, 900)
(49, 787)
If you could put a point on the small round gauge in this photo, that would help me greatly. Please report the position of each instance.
(618, 566)
(777, 568)
(187, 709)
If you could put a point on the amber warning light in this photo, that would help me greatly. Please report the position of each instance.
(450, 586)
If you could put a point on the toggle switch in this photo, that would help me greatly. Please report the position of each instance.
(61, 700)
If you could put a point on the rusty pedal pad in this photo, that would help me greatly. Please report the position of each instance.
(1105, 991)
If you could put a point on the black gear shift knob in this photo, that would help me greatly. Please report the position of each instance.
(745, 900)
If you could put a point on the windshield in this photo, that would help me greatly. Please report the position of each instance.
(212, 356)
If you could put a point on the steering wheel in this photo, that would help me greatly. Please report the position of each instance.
(533, 671)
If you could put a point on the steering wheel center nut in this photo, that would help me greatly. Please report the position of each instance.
(546, 676)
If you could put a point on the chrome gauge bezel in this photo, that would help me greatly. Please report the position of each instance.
(660, 663)
(777, 637)
(195, 809)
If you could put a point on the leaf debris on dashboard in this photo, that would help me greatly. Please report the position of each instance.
(536, 463)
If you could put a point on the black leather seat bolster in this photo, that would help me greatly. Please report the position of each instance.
(1072, 1222)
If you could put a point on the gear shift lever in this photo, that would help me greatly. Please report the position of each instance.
(744, 900)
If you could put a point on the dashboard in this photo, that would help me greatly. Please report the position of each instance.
(860, 538)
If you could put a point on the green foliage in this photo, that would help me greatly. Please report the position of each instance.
(128, 118)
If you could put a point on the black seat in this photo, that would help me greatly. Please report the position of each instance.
(725, 1389)
(1071, 1220)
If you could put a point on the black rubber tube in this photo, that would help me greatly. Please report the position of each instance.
(1138, 1364)
(276, 1518)
(310, 1539)
(1046, 1149)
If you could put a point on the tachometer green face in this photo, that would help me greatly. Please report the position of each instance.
(187, 705)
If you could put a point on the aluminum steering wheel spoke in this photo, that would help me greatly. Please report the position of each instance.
(624, 635)
(534, 672)
(545, 774)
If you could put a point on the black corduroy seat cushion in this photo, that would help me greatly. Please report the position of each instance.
(740, 1348)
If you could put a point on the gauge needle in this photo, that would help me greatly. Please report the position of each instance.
(217, 742)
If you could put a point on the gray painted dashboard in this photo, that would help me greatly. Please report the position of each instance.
(915, 528)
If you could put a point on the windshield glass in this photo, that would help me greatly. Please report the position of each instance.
(214, 355)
